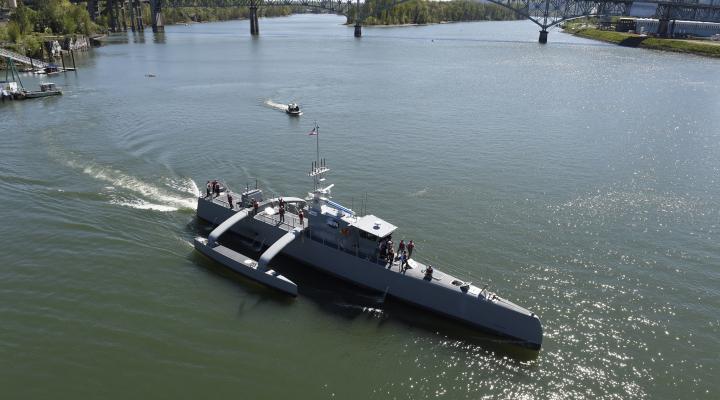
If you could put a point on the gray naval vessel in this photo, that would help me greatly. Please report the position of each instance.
(324, 234)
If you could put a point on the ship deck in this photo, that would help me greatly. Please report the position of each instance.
(416, 270)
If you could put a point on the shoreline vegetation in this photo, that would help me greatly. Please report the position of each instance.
(423, 12)
(587, 30)
(29, 27)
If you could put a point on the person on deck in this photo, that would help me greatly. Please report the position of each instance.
(404, 265)
(230, 199)
(208, 189)
(428, 273)
(282, 213)
(410, 247)
(401, 246)
(390, 256)
(301, 216)
(255, 207)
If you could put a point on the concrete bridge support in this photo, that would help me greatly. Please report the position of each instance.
(136, 23)
(254, 24)
(543, 36)
(92, 9)
(158, 22)
(358, 25)
(122, 14)
(113, 11)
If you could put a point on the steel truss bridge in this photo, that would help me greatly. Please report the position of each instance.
(544, 13)
(548, 13)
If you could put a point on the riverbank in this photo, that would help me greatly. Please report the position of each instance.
(423, 12)
(697, 47)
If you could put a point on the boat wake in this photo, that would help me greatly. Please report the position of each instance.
(171, 194)
(277, 106)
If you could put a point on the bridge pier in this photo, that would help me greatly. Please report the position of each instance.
(158, 22)
(254, 23)
(663, 30)
(543, 36)
(358, 29)
(139, 23)
(92, 9)
(133, 19)
(123, 17)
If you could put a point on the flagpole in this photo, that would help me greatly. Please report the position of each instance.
(317, 142)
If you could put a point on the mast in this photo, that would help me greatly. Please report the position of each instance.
(319, 168)
(317, 143)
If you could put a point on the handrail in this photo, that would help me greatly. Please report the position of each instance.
(23, 59)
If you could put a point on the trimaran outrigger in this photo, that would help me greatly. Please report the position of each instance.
(336, 240)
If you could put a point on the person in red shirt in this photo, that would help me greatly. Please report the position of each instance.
(410, 247)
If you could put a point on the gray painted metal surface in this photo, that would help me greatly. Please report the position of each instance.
(246, 266)
(278, 246)
(328, 249)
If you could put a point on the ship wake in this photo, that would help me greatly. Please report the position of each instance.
(168, 194)
(277, 106)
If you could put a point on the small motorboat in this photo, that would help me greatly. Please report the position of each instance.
(46, 89)
(293, 109)
(52, 69)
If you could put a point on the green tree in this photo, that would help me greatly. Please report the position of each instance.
(24, 17)
(13, 32)
(32, 46)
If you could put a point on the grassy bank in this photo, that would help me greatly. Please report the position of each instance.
(709, 49)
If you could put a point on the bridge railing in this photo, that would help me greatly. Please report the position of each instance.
(4, 53)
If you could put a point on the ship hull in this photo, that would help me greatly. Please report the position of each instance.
(506, 319)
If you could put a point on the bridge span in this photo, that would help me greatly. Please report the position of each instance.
(544, 13)
(548, 13)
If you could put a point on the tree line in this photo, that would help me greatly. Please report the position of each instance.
(382, 12)
(28, 25)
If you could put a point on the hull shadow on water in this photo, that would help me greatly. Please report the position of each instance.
(349, 302)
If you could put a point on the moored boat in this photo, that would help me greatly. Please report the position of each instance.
(46, 89)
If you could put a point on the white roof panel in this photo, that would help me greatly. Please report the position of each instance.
(374, 225)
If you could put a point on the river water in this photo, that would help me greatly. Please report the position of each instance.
(577, 179)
